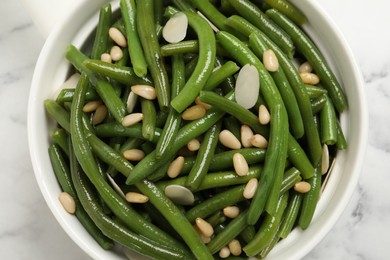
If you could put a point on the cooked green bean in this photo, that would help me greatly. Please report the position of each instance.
(66, 95)
(219, 201)
(341, 141)
(211, 12)
(328, 123)
(60, 137)
(291, 214)
(254, 15)
(314, 56)
(172, 124)
(203, 159)
(100, 44)
(204, 66)
(315, 91)
(288, 9)
(220, 74)
(120, 73)
(318, 103)
(310, 199)
(149, 40)
(130, 19)
(59, 113)
(268, 228)
(149, 119)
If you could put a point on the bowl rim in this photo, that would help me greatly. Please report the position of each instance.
(68, 225)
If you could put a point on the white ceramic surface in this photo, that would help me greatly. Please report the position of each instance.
(51, 70)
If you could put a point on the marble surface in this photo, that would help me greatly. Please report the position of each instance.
(28, 230)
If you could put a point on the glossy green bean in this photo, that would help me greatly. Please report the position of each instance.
(130, 20)
(204, 157)
(176, 219)
(288, 9)
(211, 12)
(328, 123)
(87, 162)
(232, 230)
(315, 91)
(220, 74)
(147, 33)
(173, 122)
(268, 228)
(279, 126)
(120, 73)
(219, 201)
(341, 141)
(253, 14)
(60, 137)
(310, 199)
(290, 177)
(297, 156)
(204, 66)
(291, 214)
(100, 44)
(149, 119)
(318, 103)
(116, 129)
(307, 47)
(59, 113)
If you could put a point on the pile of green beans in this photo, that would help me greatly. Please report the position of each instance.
(201, 70)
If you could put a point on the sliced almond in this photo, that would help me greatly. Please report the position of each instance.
(115, 186)
(215, 28)
(131, 102)
(325, 159)
(175, 30)
(247, 86)
(179, 194)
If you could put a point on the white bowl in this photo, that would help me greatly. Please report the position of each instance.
(52, 69)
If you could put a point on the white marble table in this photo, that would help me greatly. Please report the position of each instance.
(29, 231)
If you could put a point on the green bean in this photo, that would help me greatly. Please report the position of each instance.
(180, 47)
(102, 86)
(190, 66)
(224, 160)
(173, 121)
(318, 103)
(147, 147)
(341, 141)
(254, 15)
(120, 73)
(268, 228)
(233, 108)
(205, 64)
(297, 156)
(116, 129)
(60, 137)
(310, 199)
(265, 251)
(315, 91)
(289, 99)
(184, 5)
(290, 177)
(66, 95)
(279, 126)
(154, 60)
(87, 161)
(311, 133)
(232, 230)
(176, 218)
(149, 119)
(328, 123)
(288, 9)
(62, 172)
(130, 19)
(220, 74)
(248, 233)
(188, 132)
(101, 38)
(115, 229)
(219, 201)
(58, 112)
(315, 57)
(203, 159)
(218, 179)
(211, 12)
(291, 214)
(233, 125)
